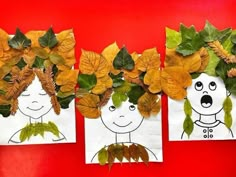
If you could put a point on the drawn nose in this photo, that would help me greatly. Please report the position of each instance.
(121, 116)
(34, 101)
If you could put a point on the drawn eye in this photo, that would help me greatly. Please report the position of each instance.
(198, 86)
(25, 94)
(43, 93)
(212, 86)
(112, 108)
(132, 108)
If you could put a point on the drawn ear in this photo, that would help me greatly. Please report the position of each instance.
(228, 93)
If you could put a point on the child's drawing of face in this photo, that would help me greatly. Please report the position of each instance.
(34, 101)
(207, 94)
(124, 119)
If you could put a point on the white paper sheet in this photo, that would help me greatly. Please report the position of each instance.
(146, 132)
(206, 96)
(35, 106)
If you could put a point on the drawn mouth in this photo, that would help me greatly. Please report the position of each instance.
(122, 125)
(35, 109)
(206, 101)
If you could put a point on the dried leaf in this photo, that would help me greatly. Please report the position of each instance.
(150, 59)
(93, 63)
(56, 59)
(174, 81)
(34, 36)
(67, 79)
(134, 152)
(103, 83)
(126, 152)
(88, 106)
(5, 110)
(188, 125)
(111, 156)
(118, 152)
(40, 52)
(102, 156)
(204, 59)
(66, 41)
(149, 104)
(153, 79)
(14, 106)
(109, 53)
(105, 97)
(143, 154)
(55, 104)
(3, 42)
(81, 92)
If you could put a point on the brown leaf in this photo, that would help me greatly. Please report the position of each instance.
(109, 53)
(118, 152)
(153, 79)
(14, 106)
(55, 104)
(204, 59)
(126, 152)
(3, 42)
(143, 154)
(111, 156)
(93, 63)
(88, 106)
(105, 98)
(148, 104)
(174, 81)
(134, 152)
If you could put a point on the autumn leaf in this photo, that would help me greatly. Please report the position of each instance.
(66, 41)
(126, 152)
(3, 42)
(123, 60)
(102, 156)
(93, 63)
(204, 59)
(149, 104)
(19, 41)
(109, 53)
(134, 152)
(103, 83)
(153, 79)
(88, 106)
(143, 154)
(67, 79)
(48, 39)
(174, 81)
(34, 36)
(135, 72)
(150, 59)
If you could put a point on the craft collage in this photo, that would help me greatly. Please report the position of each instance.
(121, 94)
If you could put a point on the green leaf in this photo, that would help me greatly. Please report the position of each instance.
(87, 81)
(2, 92)
(48, 39)
(135, 93)
(38, 63)
(173, 38)
(5, 110)
(191, 41)
(24, 134)
(19, 41)
(7, 77)
(21, 64)
(227, 44)
(227, 105)
(64, 102)
(124, 88)
(102, 156)
(233, 50)
(53, 128)
(233, 38)
(188, 125)
(187, 108)
(213, 62)
(228, 120)
(118, 98)
(195, 75)
(117, 80)
(123, 60)
(81, 92)
(54, 70)
(56, 59)
(224, 35)
(209, 33)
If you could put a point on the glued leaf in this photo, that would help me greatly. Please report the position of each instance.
(134, 152)
(102, 156)
(48, 39)
(118, 98)
(66, 41)
(81, 92)
(19, 41)
(67, 79)
(228, 120)
(93, 63)
(40, 52)
(173, 38)
(117, 79)
(209, 33)
(204, 59)
(143, 154)
(109, 53)
(34, 36)
(118, 152)
(3, 42)
(187, 108)
(126, 152)
(124, 88)
(188, 125)
(149, 104)
(135, 93)
(88, 106)
(5, 110)
(212, 64)
(174, 81)
(87, 81)
(21, 64)
(123, 60)
(38, 63)
(65, 101)
(56, 58)
(111, 156)
(153, 79)
(150, 59)
(103, 83)
(227, 105)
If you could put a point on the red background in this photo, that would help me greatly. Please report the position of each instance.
(138, 25)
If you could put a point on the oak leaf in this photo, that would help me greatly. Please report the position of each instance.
(88, 106)
(174, 81)
(148, 104)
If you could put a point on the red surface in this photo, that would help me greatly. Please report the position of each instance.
(138, 25)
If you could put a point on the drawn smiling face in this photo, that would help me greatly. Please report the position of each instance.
(124, 119)
(207, 94)
(34, 101)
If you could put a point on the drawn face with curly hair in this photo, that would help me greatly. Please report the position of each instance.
(123, 119)
(207, 94)
(34, 101)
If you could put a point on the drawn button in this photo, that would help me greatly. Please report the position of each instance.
(204, 130)
(205, 136)
(211, 136)
(211, 130)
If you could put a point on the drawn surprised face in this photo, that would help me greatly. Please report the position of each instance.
(34, 101)
(207, 94)
(124, 119)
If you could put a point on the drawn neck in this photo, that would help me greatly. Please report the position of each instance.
(38, 120)
(208, 118)
(123, 137)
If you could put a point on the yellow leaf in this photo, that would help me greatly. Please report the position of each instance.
(34, 36)
(93, 63)
(150, 59)
(67, 79)
(29, 56)
(88, 106)
(3, 42)
(173, 58)
(69, 57)
(153, 79)
(66, 41)
(103, 83)
(4, 101)
(204, 59)
(109, 53)
(174, 81)
(68, 87)
(148, 104)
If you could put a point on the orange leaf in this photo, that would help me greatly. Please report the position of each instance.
(148, 104)
(204, 59)
(88, 106)
(93, 63)
(153, 79)
(109, 53)
(174, 81)
(3, 42)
